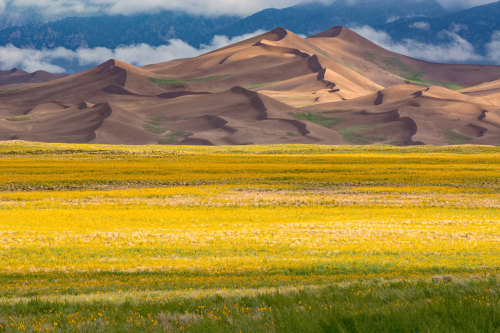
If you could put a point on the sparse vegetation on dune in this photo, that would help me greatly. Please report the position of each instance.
(257, 238)
(317, 118)
(183, 81)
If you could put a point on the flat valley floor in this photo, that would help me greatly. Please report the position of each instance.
(254, 239)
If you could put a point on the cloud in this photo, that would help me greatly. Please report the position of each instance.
(58, 8)
(29, 60)
(457, 4)
(493, 48)
(454, 48)
(61, 8)
(142, 54)
(421, 25)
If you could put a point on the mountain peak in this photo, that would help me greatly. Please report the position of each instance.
(340, 32)
(16, 70)
(332, 32)
(345, 34)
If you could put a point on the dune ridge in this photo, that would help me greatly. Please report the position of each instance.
(332, 88)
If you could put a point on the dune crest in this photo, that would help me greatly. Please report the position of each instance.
(333, 88)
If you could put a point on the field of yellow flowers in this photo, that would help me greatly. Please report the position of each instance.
(252, 239)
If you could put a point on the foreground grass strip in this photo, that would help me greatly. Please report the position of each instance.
(403, 306)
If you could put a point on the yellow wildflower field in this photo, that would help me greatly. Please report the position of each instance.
(85, 225)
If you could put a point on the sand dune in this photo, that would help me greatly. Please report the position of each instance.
(332, 88)
(17, 76)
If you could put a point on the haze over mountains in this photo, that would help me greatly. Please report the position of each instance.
(335, 87)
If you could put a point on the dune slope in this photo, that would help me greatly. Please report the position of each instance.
(332, 88)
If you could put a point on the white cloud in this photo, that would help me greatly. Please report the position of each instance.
(456, 4)
(421, 25)
(142, 54)
(493, 48)
(30, 60)
(58, 8)
(455, 49)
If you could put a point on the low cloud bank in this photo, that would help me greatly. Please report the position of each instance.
(454, 48)
(65, 8)
(140, 55)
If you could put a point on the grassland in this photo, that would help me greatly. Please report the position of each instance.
(251, 239)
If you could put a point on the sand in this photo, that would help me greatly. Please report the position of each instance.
(277, 88)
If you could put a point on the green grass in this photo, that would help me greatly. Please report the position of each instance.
(18, 118)
(9, 92)
(291, 134)
(416, 79)
(455, 138)
(317, 118)
(351, 67)
(398, 67)
(357, 135)
(154, 125)
(323, 53)
(260, 85)
(174, 137)
(186, 80)
(373, 306)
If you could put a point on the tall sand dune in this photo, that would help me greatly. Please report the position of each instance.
(333, 88)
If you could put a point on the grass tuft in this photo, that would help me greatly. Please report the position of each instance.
(455, 138)
(154, 125)
(163, 82)
(358, 135)
(174, 137)
(317, 118)
(19, 118)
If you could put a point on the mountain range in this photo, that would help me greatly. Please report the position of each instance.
(424, 21)
(309, 19)
(476, 25)
(335, 87)
(393, 16)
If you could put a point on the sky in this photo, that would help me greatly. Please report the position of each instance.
(209, 7)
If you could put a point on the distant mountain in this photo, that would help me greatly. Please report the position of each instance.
(11, 18)
(113, 31)
(18, 76)
(311, 18)
(419, 20)
(476, 25)
(157, 29)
